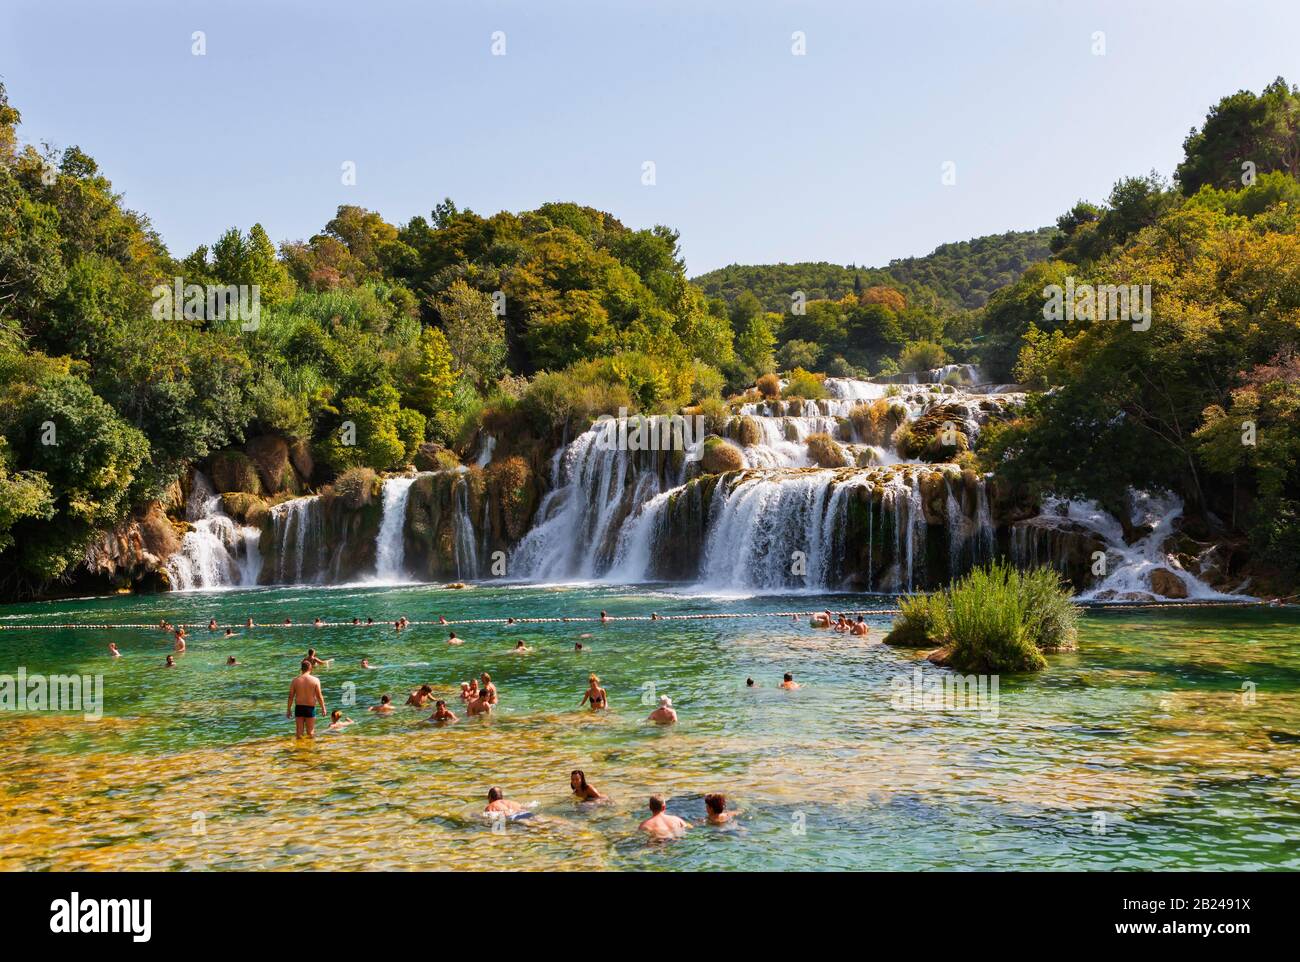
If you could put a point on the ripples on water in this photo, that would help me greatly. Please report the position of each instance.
(1135, 752)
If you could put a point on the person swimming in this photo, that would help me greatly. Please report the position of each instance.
(453, 640)
(664, 714)
(230, 632)
(661, 825)
(442, 620)
(788, 683)
(316, 661)
(860, 626)
(594, 694)
(581, 790)
(716, 804)
(577, 646)
(385, 706)
(248, 623)
(521, 649)
(170, 663)
(488, 689)
(337, 721)
(420, 697)
(441, 713)
(480, 704)
(180, 639)
(212, 625)
(318, 623)
(112, 650)
(749, 683)
(365, 663)
(231, 661)
(497, 802)
(822, 620)
(356, 621)
(604, 618)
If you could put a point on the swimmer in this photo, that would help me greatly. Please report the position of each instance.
(231, 661)
(661, 825)
(385, 706)
(420, 697)
(664, 714)
(112, 650)
(497, 802)
(473, 689)
(489, 690)
(248, 623)
(577, 646)
(788, 683)
(311, 657)
(480, 704)
(370, 621)
(717, 807)
(180, 640)
(230, 632)
(304, 695)
(654, 616)
(212, 625)
(749, 683)
(397, 626)
(581, 790)
(337, 721)
(464, 691)
(604, 618)
(822, 620)
(365, 663)
(288, 622)
(521, 648)
(318, 623)
(441, 713)
(453, 640)
(598, 697)
(859, 626)
(510, 621)
(171, 662)
(356, 621)
(442, 620)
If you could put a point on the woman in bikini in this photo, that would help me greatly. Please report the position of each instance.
(595, 694)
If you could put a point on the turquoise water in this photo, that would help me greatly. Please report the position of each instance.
(1140, 750)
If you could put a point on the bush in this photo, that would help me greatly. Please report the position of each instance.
(720, 456)
(921, 356)
(838, 367)
(798, 354)
(876, 422)
(769, 385)
(354, 487)
(805, 384)
(994, 619)
(716, 413)
(824, 452)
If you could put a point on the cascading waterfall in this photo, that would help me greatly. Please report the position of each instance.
(299, 532)
(216, 552)
(390, 543)
(465, 549)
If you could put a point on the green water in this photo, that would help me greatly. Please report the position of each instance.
(1142, 750)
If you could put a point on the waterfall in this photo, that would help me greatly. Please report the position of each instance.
(390, 542)
(216, 552)
(299, 532)
(466, 552)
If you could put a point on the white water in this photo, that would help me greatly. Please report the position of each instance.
(390, 543)
(300, 540)
(216, 552)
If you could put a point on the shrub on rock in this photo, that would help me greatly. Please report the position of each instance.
(720, 456)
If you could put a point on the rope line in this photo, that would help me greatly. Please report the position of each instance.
(199, 626)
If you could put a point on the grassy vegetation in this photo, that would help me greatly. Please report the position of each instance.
(995, 619)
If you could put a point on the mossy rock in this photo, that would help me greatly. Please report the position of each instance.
(514, 489)
(720, 456)
(748, 433)
(248, 509)
(825, 452)
(270, 454)
(234, 471)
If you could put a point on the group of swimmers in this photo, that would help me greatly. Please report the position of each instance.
(660, 825)
(824, 619)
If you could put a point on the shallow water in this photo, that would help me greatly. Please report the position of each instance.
(1141, 750)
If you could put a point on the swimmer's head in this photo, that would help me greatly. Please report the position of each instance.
(519, 644)
(230, 660)
(426, 689)
(310, 652)
(788, 677)
(336, 714)
(665, 701)
(716, 804)
(494, 794)
(593, 679)
(385, 699)
(577, 646)
(306, 665)
(170, 661)
(577, 779)
(440, 704)
(749, 683)
(656, 804)
(487, 679)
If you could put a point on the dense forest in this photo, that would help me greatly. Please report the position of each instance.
(952, 277)
(377, 345)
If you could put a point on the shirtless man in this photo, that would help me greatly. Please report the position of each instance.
(112, 649)
(420, 697)
(822, 620)
(453, 640)
(521, 648)
(365, 663)
(661, 825)
(248, 623)
(304, 696)
(441, 713)
(664, 714)
(385, 706)
(497, 802)
(788, 683)
(230, 632)
(170, 663)
(212, 625)
(180, 640)
(481, 704)
(859, 626)
(232, 660)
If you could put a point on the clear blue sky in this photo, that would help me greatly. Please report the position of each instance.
(761, 156)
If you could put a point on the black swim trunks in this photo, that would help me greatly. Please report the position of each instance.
(304, 711)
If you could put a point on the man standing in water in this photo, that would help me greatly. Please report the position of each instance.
(304, 696)
(661, 825)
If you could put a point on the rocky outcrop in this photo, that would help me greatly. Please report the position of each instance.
(1057, 542)
(1166, 584)
(134, 553)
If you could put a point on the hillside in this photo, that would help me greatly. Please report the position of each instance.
(957, 275)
